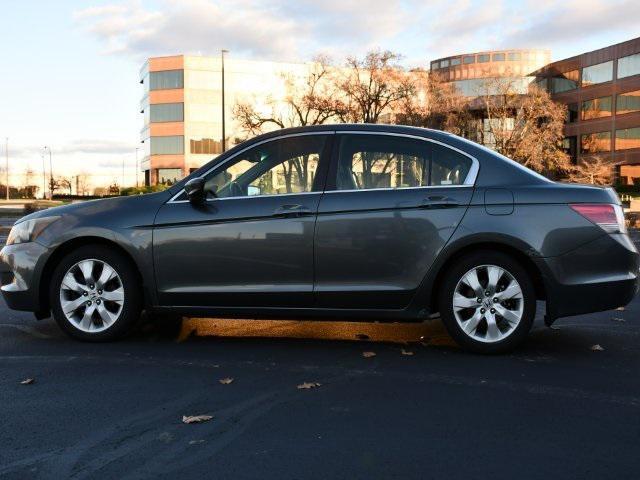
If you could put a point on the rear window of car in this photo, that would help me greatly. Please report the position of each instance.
(387, 161)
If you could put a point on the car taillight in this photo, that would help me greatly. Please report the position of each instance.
(607, 216)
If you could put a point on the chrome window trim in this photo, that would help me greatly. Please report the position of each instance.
(469, 181)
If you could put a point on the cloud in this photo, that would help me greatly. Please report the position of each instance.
(574, 21)
(277, 29)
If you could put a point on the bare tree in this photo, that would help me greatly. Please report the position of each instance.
(372, 86)
(593, 169)
(527, 127)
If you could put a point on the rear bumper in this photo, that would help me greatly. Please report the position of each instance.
(601, 275)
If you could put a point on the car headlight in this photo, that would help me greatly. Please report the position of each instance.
(29, 230)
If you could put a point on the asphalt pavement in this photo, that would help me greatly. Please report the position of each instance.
(419, 408)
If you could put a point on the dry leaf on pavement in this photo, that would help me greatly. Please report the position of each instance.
(368, 354)
(617, 319)
(226, 381)
(406, 352)
(27, 381)
(307, 385)
(597, 348)
(620, 309)
(196, 418)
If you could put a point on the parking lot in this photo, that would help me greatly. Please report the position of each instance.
(558, 407)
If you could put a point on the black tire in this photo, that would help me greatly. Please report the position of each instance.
(455, 274)
(131, 306)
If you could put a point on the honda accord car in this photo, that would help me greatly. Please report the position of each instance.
(344, 221)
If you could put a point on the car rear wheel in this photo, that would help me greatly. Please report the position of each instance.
(488, 302)
(94, 294)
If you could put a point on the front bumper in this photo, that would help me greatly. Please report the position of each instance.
(601, 275)
(26, 261)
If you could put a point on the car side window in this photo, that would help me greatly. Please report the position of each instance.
(378, 161)
(386, 161)
(448, 167)
(281, 166)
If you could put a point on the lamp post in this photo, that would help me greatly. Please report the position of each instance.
(44, 178)
(137, 148)
(50, 173)
(224, 137)
(6, 152)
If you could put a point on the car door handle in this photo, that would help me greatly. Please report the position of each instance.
(439, 201)
(291, 211)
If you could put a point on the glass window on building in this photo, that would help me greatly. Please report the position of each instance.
(572, 112)
(171, 145)
(467, 59)
(514, 56)
(169, 176)
(629, 65)
(444, 63)
(570, 147)
(564, 82)
(596, 108)
(599, 73)
(542, 83)
(205, 145)
(595, 142)
(167, 79)
(628, 102)
(498, 57)
(455, 61)
(167, 112)
(628, 138)
(435, 65)
(484, 58)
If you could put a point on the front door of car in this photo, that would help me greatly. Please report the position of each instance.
(251, 242)
(390, 205)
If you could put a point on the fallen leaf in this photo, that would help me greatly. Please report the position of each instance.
(368, 354)
(618, 319)
(226, 381)
(196, 418)
(27, 381)
(195, 442)
(406, 352)
(308, 385)
(597, 348)
(620, 309)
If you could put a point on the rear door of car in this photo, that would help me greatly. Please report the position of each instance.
(391, 203)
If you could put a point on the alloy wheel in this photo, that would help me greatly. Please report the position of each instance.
(488, 303)
(92, 295)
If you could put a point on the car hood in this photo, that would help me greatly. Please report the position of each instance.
(113, 205)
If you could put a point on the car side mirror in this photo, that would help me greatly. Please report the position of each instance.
(194, 189)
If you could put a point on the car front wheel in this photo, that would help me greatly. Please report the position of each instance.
(94, 294)
(488, 302)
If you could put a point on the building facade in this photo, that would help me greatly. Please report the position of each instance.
(601, 90)
(182, 108)
(472, 73)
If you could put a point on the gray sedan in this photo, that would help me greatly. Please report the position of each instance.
(358, 221)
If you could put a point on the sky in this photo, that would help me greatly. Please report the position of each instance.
(69, 69)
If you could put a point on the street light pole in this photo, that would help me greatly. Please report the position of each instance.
(224, 137)
(44, 177)
(137, 148)
(50, 174)
(6, 151)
